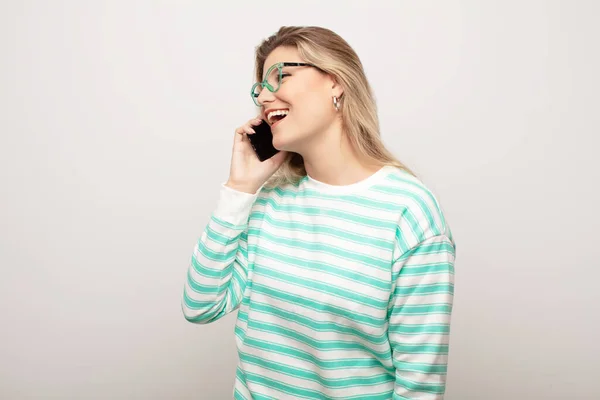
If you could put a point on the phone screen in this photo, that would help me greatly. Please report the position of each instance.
(262, 141)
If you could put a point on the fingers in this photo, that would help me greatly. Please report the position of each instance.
(256, 121)
(253, 122)
(239, 136)
(246, 129)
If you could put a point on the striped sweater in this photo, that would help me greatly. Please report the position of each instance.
(342, 292)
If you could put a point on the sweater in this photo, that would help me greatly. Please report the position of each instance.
(342, 292)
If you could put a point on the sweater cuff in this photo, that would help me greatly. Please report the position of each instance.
(234, 206)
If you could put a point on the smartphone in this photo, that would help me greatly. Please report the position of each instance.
(262, 141)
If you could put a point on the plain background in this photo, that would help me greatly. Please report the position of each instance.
(116, 123)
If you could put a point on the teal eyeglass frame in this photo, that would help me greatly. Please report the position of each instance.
(266, 84)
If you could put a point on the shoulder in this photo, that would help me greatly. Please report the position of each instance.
(420, 212)
(273, 194)
(277, 191)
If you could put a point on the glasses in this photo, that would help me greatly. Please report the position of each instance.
(273, 79)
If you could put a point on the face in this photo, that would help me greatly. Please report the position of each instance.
(307, 93)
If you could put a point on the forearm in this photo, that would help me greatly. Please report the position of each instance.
(217, 273)
(420, 320)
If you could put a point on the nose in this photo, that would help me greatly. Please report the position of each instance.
(265, 96)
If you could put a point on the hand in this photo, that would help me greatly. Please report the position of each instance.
(247, 173)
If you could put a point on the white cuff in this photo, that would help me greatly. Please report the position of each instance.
(234, 206)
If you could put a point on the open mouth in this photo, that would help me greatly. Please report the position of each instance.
(277, 119)
(276, 116)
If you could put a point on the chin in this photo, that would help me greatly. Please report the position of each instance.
(286, 140)
(280, 143)
(284, 145)
(280, 146)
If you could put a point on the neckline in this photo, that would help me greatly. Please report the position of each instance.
(312, 183)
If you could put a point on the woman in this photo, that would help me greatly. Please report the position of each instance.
(338, 257)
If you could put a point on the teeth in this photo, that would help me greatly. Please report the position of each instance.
(278, 112)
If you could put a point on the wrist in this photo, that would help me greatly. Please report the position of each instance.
(241, 187)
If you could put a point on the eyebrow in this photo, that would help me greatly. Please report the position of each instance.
(286, 67)
(265, 71)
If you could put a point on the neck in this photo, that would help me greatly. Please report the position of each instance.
(332, 159)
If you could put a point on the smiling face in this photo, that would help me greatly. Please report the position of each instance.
(307, 95)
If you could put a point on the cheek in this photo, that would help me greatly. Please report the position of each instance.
(308, 105)
(315, 110)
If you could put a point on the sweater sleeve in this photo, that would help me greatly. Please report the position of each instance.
(419, 318)
(218, 270)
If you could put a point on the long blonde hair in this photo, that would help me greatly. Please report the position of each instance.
(333, 55)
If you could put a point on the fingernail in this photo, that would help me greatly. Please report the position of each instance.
(252, 130)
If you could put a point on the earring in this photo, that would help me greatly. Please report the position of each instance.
(336, 104)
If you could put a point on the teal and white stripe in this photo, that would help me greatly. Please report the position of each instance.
(344, 292)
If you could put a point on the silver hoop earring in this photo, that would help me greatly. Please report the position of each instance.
(336, 104)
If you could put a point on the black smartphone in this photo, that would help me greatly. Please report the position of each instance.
(262, 141)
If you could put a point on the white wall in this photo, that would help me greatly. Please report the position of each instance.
(108, 175)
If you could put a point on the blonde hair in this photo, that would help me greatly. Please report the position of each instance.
(333, 55)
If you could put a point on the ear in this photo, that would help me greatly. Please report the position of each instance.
(336, 88)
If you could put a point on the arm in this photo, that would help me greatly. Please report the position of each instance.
(216, 276)
(419, 318)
